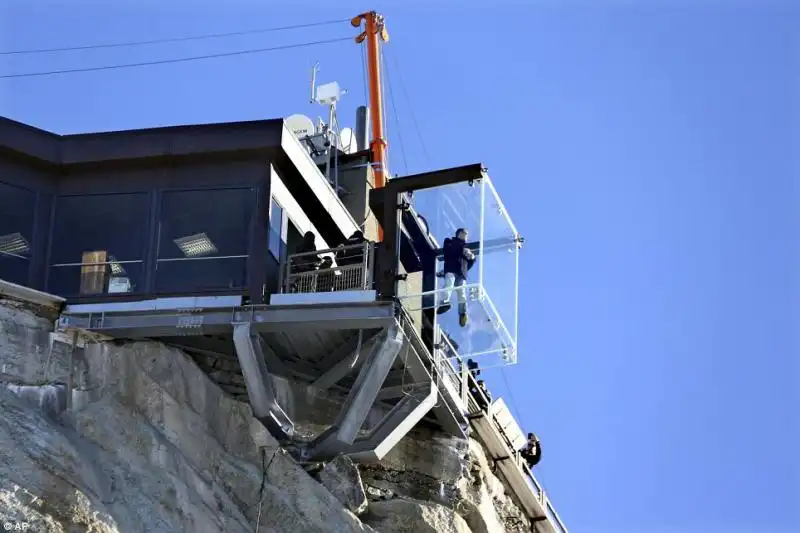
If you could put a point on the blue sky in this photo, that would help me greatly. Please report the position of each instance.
(644, 149)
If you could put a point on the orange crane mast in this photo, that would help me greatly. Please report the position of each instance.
(374, 32)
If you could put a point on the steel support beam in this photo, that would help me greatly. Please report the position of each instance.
(395, 424)
(332, 358)
(399, 391)
(149, 324)
(449, 417)
(435, 178)
(341, 435)
(353, 359)
(260, 388)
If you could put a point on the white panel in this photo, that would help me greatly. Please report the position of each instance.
(319, 185)
(156, 304)
(337, 297)
(293, 210)
(509, 424)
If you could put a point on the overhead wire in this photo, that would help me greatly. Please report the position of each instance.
(174, 60)
(384, 117)
(510, 394)
(173, 39)
(513, 405)
(390, 92)
(425, 152)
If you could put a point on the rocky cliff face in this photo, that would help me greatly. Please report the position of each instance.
(151, 444)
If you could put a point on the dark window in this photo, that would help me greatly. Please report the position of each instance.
(293, 238)
(98, 244)
(17, 208)
(203, 240)
(277, 234)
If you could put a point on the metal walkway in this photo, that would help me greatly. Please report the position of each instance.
(513, 469)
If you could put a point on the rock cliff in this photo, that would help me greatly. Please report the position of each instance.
(151, 444)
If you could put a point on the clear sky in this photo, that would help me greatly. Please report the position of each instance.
(645, 151)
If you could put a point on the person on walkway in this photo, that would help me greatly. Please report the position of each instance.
(472, 366)
(532, 452)
(351, 256)
(458, 259)
(306, 263)
(482, 396)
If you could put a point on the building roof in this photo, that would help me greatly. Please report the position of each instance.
(117, 146)
(197, 142)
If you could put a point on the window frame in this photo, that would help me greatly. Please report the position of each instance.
(282, 234)
(31, 237)
(158, 260)
(139, 288)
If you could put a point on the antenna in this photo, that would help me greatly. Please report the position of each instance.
(347, 140)
(314, 71)
(300, 125)
(328, 95)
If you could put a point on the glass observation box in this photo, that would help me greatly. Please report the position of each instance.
(488, 293)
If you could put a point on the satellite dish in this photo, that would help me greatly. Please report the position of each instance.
(300, 125)
(347, 141)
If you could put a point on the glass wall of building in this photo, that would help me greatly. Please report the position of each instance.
(203, 240)
(17, 209)
(98, 244)
(474, 297)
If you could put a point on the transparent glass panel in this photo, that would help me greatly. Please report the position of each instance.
(499, 267)
(97, 278)
(98, 244)
(203, 240)
(476, 276)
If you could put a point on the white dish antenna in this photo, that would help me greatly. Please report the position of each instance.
(347, 140)
(300, 125)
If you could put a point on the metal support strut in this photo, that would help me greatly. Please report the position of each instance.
(260, 387)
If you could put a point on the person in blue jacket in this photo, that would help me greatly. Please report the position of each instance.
(458, 259)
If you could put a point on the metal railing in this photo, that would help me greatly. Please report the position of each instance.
(345, 268)
(474, 398)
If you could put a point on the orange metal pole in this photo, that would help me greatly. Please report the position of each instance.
(374, 32)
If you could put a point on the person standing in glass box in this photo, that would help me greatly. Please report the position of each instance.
(458, 259)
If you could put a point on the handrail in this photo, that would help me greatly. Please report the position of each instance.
(537, 487)
(301, 272)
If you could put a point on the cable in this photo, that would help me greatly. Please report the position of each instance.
(173, 39)
(510, 394)
(411, 110)
(364, 72)
(177, 60)
(396, 116)
(384, 120)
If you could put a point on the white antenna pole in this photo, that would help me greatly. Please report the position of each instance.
(331, 140)
(314, 70)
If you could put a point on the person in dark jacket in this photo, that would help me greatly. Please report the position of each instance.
(532, 452)
(351, 256)
(458, 259)
(482, 395)
(306, 263)
(325, 275)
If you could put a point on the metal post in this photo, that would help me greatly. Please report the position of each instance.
(70, 383)
(364, 265)
(371, 265)
(464, 383)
